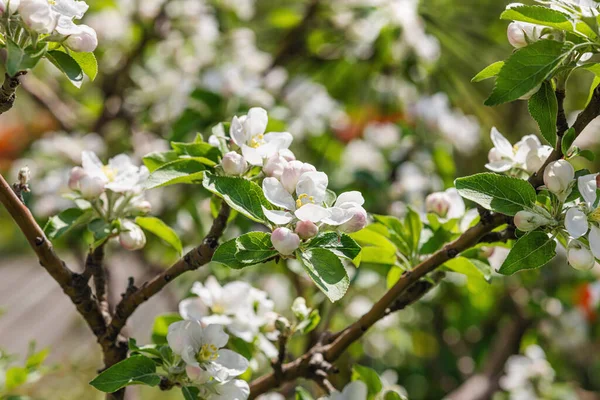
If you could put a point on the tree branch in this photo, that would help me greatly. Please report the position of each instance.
(94, 266)
(8, 91)
(193, 260)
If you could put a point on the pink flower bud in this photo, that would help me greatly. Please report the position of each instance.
(292, 173)
(527, 221)
(234, 164)
(287, 154)
(285, 241)
(274, 166)
(91, 187)
(494, 155)
(306, 229)
(131, 237)
(558, 176)
(84, 40)
(76, 174)
(143, 206)
(438, 203)
(516, 35)
(357, 222)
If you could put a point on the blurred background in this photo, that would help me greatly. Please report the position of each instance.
(377, 93)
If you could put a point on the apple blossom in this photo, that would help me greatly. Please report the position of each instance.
(521, 34)
(358, 220)
(119, 175)
(38, 15)
(248, 132)
(12, 5)
(274, 165)
(527, 154)
(579, 256)
(82, 38)
(347, 212)
(131, 237)
(235, 389)
(234, 164)
(558, 177)
(201, 348)
(355, 390)
(437, 203)
(528, 220)
(91, 186)
(306, 229)
(585, 217)
(292, 172)
(285, 241)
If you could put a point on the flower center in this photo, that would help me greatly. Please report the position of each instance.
(303, 199)
(208, 352)
(257, 141)
(111, 173)
(217, 309)
(595, 215)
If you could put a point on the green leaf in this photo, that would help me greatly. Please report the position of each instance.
(36, 359)
(392, 396)
(303, 394)
(327, 271)
(369, 377)
(188, 171)
(488, 72)
(87, 62)
(136, 370)
(587, 154)
(310, 323)
(413, 227)
(160, 328)
(530, 251)
(568, 139)
(67, 65)
(15, 377)
(527, 68)
(148, 350)
(498, 193)
(242, 195)
(156, 159)
(225, 254)
(162, 230)
(540, 16)
(341, 245)
(375, 247)
(190, 392)
(201, 151)
(62, 223)
(100, 230)
(543, 108)
(476, 279)
(14, 57)
(254, 248)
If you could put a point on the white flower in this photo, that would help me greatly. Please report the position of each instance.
(347, 212)
(131, 237)
(274, 166)
(201, 350)
(120, 175)
(292, 172)
(311, 191)
(527, 154)
(13, 5)
(38, 15)
(581, 219)
(285, 241)
(299, 308)
(356, 390)
(523, 372)
(236, 389)
(528, 220)
(579, 256)
(248, 132)
(521, 34)
(234, 164)
(558, 176)
(306, 229)
(91, 186)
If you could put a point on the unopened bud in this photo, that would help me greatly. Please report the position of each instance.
(579, 256)
(91, 186)
(24, 176)
(274, 166)
(300, 309)
(75, 176)
(292, 173)
(131, 237)
(13, 5)
(438, 203)
(285, 241)
(282, 325)
(143, 206)
(527, 221)
(287, 154)
(306, 229)
(558, 176)
(234, 164)
(84, 40)
(357, 222)
(494, 155)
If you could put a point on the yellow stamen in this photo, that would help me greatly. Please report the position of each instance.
(208, 352)
(595, 215)
(302, 197)
(257, 141)
(111, 173)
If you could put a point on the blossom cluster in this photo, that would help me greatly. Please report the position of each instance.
(303, 204)
(49, 21)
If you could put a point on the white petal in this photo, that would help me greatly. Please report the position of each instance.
(457, 204)
(216, 319)
(193, 308)
(337, 216)
(576, 222)
(314, 184)
(92, 165)
(252, 155)
(232, 390)
(499, 166)
(312, 212)
(233, 363)
(278, 217)
(237, 132)
(277, 195)
(257, 121)
(587, 187)
(70, 8)
(236, 296)
(594, 238)
(501, 143)
(282, 140)
(267, 347)
(176, 337)
(214, 334)
(350, 197)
